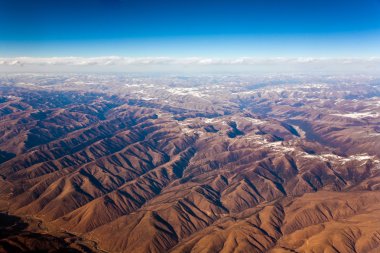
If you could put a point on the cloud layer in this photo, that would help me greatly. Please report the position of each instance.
(193, 63)
(117, 60)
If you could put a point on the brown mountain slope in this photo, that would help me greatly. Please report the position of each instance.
(136, 177)
(29, 235)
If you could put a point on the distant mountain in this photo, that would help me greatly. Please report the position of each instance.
(150, 168)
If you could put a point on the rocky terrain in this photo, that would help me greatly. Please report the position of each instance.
(190, 164)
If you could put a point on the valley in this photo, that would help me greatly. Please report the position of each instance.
(209, 163)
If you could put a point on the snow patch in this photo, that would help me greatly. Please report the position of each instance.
(187, 91)
(358, 115)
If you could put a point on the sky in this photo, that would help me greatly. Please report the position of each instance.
(183, 29)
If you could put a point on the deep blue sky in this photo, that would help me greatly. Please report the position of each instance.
(190, 28)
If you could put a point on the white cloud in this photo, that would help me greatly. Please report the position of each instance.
(247, 63)
(115, 60)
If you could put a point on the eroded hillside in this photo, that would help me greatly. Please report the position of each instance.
(142, 167)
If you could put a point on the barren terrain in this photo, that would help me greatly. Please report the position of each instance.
(190, 164)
